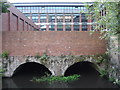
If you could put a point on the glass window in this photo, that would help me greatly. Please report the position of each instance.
(35, 15)
(48, 8)
(60, 18)
(32, 8)
(76, 18)
(81, 8)
(36, 8)
(83, 17)
(39, 8)
(59, 27)
(43, 18)
(84, 27)
(68, 18)
(51, 18)
(28, 7)
(35, 18)
(43, 27)
(27, 15)
(42, 8)
(71, 8)
(57, 7)
(68, 27)
(52, 27)
(19, 8)
(62, 7)
(76, 27)
(66, 7)
(54, 7)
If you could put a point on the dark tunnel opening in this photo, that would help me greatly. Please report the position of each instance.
(82, 68)
(25, 73)
(31, 69)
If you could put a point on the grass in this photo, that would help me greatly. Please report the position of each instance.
(56, 78)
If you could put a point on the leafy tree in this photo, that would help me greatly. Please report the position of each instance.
(4, 6)
(109, 23)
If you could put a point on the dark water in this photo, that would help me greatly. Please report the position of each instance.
(89, 78)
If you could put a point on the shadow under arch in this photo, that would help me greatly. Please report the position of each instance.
(24, 74)
(31, 69)
(82, 68)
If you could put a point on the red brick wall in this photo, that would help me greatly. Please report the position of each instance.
(21, 25)
(52, 42)
(5, 22)
(15, 20)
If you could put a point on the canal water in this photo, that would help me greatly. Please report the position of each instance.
(89, 78)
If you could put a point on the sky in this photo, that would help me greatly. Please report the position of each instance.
(13, 1)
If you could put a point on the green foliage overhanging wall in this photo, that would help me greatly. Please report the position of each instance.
(4, 6)
(108, 23)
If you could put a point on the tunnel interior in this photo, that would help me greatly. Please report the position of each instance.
(32, 69)
(82, 68)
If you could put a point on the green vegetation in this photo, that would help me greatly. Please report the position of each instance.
(97, 59)
(103, 73)
(56, 78)
(109, 23)
(42, 58)
(1, 71)
(37, 56)
(106, 16)
(5, 54)
(115, 81)
(112, 79)
(4, 6)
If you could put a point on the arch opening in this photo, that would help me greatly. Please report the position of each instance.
(82, 68)
(32, 69)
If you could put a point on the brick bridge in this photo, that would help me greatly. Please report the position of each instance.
(23, 46)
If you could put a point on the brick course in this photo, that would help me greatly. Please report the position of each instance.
(53, 43)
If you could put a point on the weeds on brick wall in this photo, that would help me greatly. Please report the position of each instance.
(97, 59)
(42, 58)
(1, 71)
(114, 80)
(103, 73)
(100, 58)
(37, 56)
(5, 54)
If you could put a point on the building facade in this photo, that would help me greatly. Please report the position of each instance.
(57, 16)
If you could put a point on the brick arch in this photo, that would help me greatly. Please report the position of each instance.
(93, 65)
(28, 63)
(11, 67)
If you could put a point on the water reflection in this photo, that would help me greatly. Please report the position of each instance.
(90, 81)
